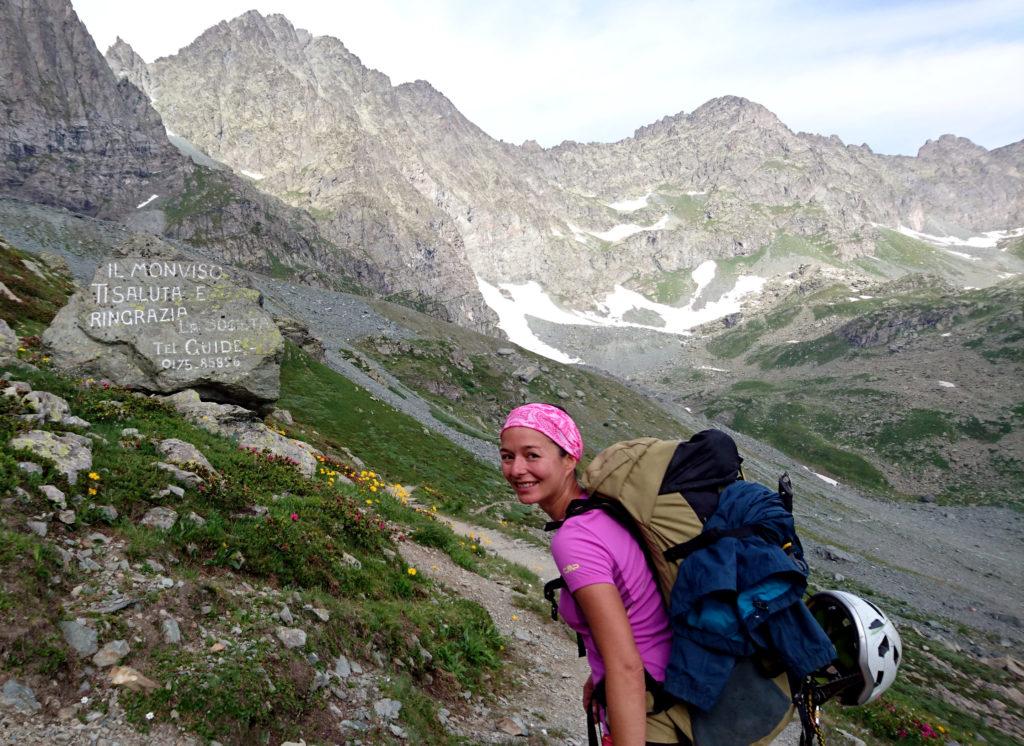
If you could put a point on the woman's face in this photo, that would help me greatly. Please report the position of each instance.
(536, 467)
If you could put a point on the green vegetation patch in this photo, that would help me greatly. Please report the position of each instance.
(395, 443)
(818, 351)
(35, 291)
(737, 341)
(207, 192)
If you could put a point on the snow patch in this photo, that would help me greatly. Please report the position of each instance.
(252, 174)
(946, 334)
(792, 341)
(716, 370)
(143, 204)
(514, 303)
(695, 194)
(625, 230)
(987, 240)
(526, 299)
(578, 233)
(630, 205)
(947, 385)
(826, 480)
(962, 255)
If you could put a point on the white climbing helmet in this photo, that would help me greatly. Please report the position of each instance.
(865, 640)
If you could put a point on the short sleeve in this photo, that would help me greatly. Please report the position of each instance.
(582, 557)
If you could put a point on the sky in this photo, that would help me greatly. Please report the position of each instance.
(889, 73)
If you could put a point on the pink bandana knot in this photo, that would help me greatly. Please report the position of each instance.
(550, 421)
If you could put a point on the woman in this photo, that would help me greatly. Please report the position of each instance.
(614, 603)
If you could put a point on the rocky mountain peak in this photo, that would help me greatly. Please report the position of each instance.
(951, 147)
(127, 64)
(734, 110)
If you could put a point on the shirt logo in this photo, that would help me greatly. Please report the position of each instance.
(570, 568)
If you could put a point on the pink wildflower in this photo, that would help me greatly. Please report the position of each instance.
(295, 516)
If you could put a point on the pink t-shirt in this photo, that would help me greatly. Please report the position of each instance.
(593, 548)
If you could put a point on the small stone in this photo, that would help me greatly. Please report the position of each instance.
(171, 631)
(291, 637)
(37, 527)
(285, 615)
(387, 709)
(320, 680)
(180, 453)
(113, 605)
(351, 561)
(342, 669)
(173, 489)
(47, 407)
(218, 647)
(30, 468)
(397, 731)
(160, 518)
(322, 614)
(111, 653)
(17, 696)
(189, 478)
(131, 679)
(54, 495)
(73, 421)
(67, 517)
(505, 351)
(130, 432)
(195, 519)
(153, 565)
(81, 639)
(108, 512)
(510, 727)
(834, 554)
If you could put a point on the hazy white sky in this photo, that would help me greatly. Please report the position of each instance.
(890, 73)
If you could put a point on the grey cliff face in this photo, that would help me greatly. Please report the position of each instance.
(72, 134)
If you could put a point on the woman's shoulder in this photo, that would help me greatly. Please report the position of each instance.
(593, 525)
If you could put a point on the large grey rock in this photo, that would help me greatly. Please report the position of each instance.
(17, 696)
(181, 453)
(71, 453)
(82, 639)
(157, 320)
(245, 428)
(46, 407)
(8, 343)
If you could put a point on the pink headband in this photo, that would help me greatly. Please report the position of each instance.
(550, 421)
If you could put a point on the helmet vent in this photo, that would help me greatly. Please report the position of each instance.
(896, 656)
(883, 647)
(876, 623)
(879, 677)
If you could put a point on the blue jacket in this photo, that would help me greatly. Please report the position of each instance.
(739, 596)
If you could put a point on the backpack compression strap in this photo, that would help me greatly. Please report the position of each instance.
(706, 539)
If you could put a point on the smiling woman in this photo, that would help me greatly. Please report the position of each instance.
(613, 601)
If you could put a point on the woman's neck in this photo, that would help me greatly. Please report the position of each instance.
(560, 503)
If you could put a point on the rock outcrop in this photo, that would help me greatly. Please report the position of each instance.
(72, 134)
(154, 319)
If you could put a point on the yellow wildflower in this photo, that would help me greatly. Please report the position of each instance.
(411, 571)
(92, 490)
(515, 617)
(94, 476)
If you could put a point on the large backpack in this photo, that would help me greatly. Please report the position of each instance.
(665, 493)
